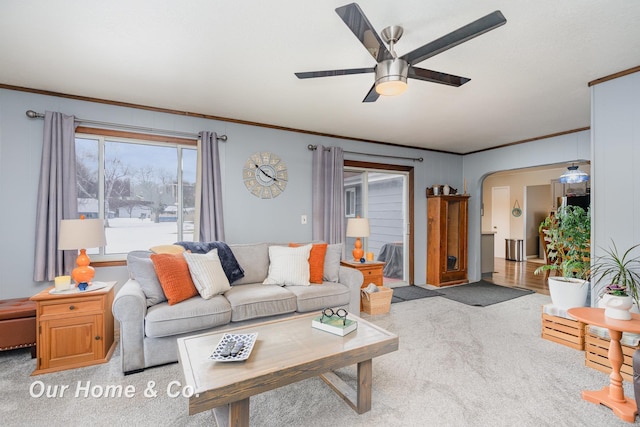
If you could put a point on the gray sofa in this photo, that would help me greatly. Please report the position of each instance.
(149, 329)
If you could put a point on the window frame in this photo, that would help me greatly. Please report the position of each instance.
(102, 259)
(350, 202)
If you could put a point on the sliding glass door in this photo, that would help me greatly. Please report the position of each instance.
(382, 197)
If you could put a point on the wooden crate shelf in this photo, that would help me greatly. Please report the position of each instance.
(563, 331)
(596, 349)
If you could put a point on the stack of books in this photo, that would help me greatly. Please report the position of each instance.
(335, 324)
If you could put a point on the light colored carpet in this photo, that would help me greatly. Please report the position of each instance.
(457, 366)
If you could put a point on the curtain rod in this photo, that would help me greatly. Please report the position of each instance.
(418, 159)
(33, 115)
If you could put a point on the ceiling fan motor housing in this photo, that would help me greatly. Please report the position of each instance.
(391, 76)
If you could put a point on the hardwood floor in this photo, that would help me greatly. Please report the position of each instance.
(518, 274)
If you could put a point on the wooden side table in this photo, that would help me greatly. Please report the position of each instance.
(613, 395)
(74, 329)
(372, 271)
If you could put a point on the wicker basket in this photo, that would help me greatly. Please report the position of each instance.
(377, 302)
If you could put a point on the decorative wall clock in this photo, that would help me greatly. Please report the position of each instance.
(265, 175)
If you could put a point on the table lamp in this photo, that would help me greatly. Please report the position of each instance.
(357, 227)
(81, 234)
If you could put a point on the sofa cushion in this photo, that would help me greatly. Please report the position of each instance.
(174, 277)
(254, 259)
(316, 261)
(141, 269)
(288, 266)
(257, 300)
(230, 264)
(167, 249)
(332, 262)
(318, 297)
(207, 273)
(192, 315)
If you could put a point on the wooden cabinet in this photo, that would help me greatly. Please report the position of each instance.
(447, 220)
(372, 271)
(74, 329)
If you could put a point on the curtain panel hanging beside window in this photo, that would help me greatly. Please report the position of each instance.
(57, 196)
(327, 194)
(210, 222)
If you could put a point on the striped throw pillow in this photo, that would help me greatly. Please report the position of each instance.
(207, 273)
(288, 266)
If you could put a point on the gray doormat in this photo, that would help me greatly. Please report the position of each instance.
(406, 293)
(482, 294)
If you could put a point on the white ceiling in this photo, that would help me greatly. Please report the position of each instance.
(236, 59)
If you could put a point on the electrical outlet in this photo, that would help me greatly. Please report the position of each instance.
(303, 219)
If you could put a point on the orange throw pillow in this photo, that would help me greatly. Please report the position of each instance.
(174, 277)
(316, 261)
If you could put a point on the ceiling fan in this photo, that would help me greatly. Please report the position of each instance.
(391, 71)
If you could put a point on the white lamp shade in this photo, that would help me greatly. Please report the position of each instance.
(81, 234)
(357, 227)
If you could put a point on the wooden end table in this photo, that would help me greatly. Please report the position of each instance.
(611, 396)
(75, 328)
(371, 270)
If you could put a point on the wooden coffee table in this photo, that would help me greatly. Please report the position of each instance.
(286, 351)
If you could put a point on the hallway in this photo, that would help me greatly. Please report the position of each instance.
(519, 275)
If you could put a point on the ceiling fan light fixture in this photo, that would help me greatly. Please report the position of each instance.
(391, 77)
(573, 175)
(391, 87)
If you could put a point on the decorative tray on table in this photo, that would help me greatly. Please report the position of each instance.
(234, 347)
(94, 286)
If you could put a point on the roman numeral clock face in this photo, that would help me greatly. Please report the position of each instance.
(265, 175)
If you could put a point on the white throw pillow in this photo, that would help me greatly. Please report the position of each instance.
(207, 273)
(288, 266)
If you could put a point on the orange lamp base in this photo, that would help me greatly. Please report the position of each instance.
(83, 273)
(357, 252)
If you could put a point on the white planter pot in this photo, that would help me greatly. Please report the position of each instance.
(617, 307)
(567, 293)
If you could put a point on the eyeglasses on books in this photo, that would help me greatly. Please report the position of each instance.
(329, 313)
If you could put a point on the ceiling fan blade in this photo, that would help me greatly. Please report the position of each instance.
(330, 73)
(454, 38)
(436, 77)
(355, 19)
(372, 96)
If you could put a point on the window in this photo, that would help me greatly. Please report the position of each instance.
(144, 190)
(350, 202)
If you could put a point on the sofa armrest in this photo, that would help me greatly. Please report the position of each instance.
(130, 309)
(353, 279)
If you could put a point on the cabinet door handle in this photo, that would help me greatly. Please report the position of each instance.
(98, 337)
(72, 307)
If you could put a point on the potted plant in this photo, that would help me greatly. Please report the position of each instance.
(568, 236)
(617, 302)
(619, 272)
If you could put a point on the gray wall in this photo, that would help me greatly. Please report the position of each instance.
(615, 190)
(615, 180)
(247, 219)
(560, 149)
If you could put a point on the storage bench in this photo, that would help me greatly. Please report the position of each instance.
(18, 324)
(597, 348)
(559, 327)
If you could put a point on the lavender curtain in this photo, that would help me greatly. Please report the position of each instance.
(57, 196)
(327, 194)
(211, 223)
